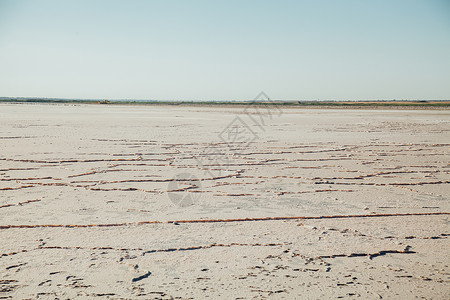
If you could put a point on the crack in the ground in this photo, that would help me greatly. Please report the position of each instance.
(223, 220)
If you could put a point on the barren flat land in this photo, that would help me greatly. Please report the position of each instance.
(174, 202)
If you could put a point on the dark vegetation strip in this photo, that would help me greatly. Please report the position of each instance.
(362, 103)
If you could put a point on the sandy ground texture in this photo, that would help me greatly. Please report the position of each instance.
(237, 203)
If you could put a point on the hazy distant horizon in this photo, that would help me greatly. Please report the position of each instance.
(208, 100)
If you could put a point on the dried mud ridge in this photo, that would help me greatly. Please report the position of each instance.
(368, 255)
(158, 250)
(20, 203)
(223, 220)
(144, 252)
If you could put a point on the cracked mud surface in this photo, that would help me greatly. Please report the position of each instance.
(321, 204)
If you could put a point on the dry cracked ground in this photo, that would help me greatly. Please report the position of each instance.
(171, 202)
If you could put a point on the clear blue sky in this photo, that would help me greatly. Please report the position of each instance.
(347, 49)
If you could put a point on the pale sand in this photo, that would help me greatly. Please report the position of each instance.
(98, 164)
